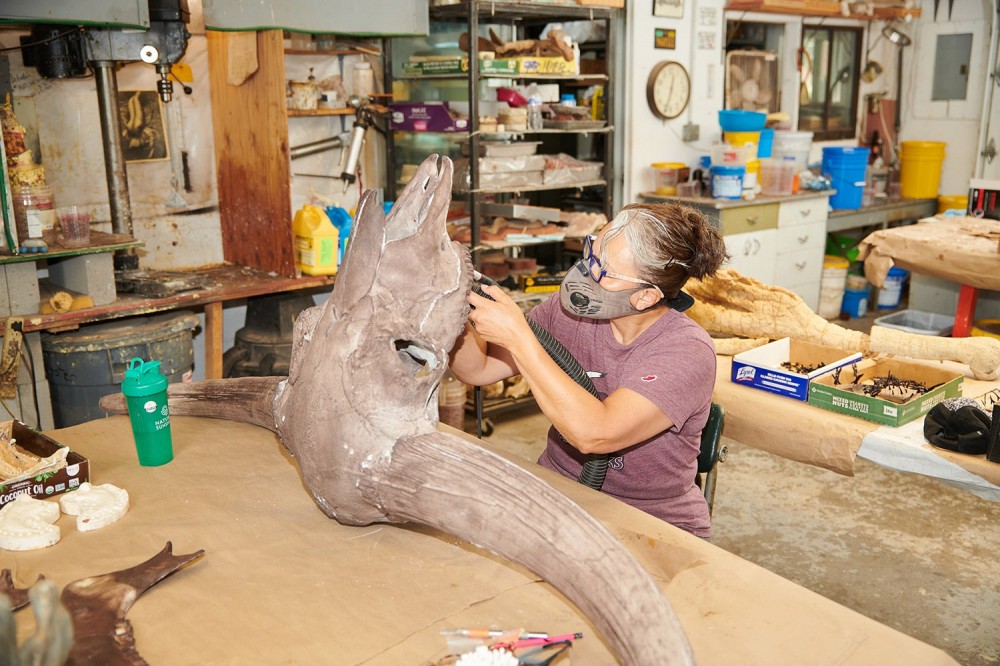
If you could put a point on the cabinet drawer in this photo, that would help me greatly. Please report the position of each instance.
(752, 254)
(802, 237)
(806, 211)
(801, 266)
(749, 218)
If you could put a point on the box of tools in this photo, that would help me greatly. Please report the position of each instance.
(34, 464)
(786, 367)
(891, 392)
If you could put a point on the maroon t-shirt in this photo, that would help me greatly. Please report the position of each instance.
(672, 364)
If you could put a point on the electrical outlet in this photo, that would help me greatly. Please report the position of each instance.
(690, 132)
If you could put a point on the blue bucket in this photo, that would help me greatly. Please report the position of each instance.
(892, 290)
(855, 303)
(727, 182)
(846, 168)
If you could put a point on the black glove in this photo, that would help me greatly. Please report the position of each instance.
(958, 424)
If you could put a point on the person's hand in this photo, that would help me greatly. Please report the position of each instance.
(499, 321)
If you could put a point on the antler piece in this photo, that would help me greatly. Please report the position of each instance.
(98, 606)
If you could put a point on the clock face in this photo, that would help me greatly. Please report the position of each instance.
(668, 89)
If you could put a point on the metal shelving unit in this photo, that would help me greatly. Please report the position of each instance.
(520, 16)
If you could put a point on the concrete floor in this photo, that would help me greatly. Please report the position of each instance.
(902, 549)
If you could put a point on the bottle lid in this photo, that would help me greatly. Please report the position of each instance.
(143, 378)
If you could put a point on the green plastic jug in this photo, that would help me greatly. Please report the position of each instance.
(145, 390)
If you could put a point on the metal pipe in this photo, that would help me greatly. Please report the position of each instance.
(114, 157)
(314, 147)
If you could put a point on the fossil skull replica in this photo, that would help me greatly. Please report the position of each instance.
(359, 413)
(737, 305)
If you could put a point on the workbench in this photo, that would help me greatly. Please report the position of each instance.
(881, 214)
(282, 583)
(808, 434)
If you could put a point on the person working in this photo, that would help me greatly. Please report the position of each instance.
(618, 314)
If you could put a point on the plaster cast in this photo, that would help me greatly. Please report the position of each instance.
(95, 506)
(359, 413)
(27, 524)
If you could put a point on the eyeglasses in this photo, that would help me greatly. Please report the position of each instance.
(593, 260)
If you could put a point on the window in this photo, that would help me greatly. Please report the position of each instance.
(828, 90)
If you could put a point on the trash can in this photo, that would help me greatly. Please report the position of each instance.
(85, 365)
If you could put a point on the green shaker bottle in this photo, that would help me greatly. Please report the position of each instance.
(145, 390)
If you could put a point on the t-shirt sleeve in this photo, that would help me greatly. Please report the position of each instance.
(678, 377)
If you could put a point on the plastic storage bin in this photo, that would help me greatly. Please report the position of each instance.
(85, 365)
(917, 321)
(776, 176)
(794, 145)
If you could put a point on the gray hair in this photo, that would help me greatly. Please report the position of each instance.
(644, 240)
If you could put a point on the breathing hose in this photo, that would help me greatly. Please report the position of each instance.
(595, 468)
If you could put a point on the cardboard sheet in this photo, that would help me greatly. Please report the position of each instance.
(958, 249)
(281, 583)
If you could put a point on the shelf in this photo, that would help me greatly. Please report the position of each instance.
(820, 9)
(578, 78)
(520, 11)
(537, 188)
(331, 52)
(303, 113)
(99, 242)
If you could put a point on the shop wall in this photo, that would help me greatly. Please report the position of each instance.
(647, 138)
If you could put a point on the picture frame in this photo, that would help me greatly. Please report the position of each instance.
(143, 126)
(668, 8)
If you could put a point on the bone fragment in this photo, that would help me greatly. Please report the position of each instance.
(734, 346)
(981, 354)
(18, 597)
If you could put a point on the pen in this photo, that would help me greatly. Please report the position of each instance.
(545, 641)
(492, 633)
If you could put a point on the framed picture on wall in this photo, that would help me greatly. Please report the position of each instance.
(143, 132)
(668, 8)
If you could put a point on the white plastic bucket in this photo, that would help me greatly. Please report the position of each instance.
(795, 145)
(831, 290)
(891, 292)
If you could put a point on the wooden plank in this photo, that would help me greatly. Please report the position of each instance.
(251, 156)
(213, 341)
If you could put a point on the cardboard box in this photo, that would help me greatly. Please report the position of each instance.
(548, 66)
(761, 367)
(494, 66)
(823, 393)
(76, 471)
(425, 117)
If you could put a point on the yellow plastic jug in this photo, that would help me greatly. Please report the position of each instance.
(315, 241)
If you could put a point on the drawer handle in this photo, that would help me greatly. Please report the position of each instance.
(804, 212)
(803, 239)
(756, 246)
(752, 219)
(800, 265)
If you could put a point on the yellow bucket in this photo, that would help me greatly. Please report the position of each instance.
(920, 171)
(953, 201)
(742, 138)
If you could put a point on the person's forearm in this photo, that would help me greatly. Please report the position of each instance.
(473, 362)
(578, 416)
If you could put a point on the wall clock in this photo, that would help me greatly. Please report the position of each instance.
(668, 89)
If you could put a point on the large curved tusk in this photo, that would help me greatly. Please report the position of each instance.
(244, 399)
(512, 512)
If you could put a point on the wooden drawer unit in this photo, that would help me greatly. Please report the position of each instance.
(742, 219)
(805, 211)
(803, 237)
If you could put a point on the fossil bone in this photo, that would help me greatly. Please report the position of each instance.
(738, 305)
(18, 597)
(359, 413)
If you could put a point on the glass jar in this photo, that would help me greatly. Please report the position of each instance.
(34, 213)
